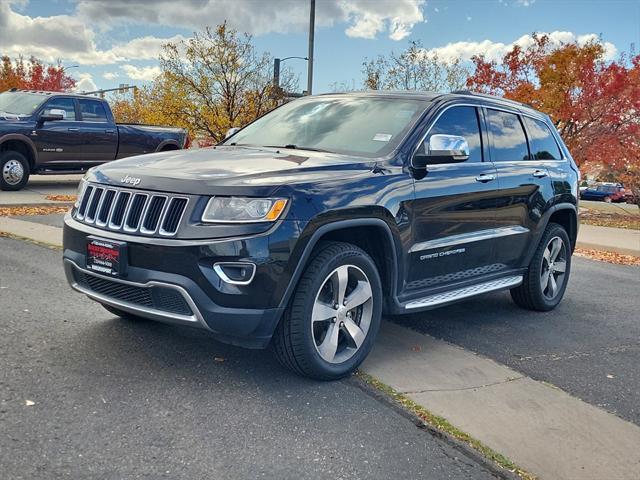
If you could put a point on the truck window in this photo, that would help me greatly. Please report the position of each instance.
(92, 111)
(66, 104)
(509, 140)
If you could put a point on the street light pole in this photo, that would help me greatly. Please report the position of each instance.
(312, 23)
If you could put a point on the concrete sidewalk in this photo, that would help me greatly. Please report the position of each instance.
(539, 427)
(39, 187)
(619, 240)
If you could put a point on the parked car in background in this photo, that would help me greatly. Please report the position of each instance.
(604, 192)
(55, 133)
(300, 230)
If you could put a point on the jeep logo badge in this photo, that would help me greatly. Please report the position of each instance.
(130, 180)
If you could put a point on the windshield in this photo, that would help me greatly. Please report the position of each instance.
(20, 103)
(366, 126)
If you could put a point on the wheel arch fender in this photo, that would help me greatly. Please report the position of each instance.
(565, 214)
(166, 145)
(27, 146)
(388, 262)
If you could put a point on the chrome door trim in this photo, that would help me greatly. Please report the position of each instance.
(470, 237)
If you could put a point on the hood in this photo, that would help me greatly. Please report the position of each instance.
(229, 170)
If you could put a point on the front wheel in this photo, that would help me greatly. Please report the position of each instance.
(14, 171)
(546, 279)
(334, 316)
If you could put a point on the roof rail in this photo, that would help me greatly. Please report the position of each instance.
(486, 95)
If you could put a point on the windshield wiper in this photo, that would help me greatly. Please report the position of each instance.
(297, 147)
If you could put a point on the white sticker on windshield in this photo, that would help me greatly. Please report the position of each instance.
(382, 137)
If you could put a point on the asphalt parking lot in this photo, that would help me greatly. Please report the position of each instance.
(86, 395)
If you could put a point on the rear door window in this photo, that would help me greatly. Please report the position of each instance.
(509, 139)
(92, 111)
(543, 145)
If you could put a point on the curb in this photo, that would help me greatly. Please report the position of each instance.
(462, 447)
(608, 248)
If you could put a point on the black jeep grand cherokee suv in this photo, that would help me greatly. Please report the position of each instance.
(303, 228)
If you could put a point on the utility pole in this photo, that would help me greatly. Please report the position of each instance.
(312, 24)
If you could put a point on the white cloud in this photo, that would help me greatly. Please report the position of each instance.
(146, 74)
(86, 83)
(49, 38)
(496, 50)
(110, 75)
(144, 48)
(366, 18)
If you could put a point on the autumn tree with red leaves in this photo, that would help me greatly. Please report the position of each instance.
(33, 75)
(594, 103)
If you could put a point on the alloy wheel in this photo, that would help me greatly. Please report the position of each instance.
(342, 313)
(554, 265)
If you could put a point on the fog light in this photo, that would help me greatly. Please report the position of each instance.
(235, 273)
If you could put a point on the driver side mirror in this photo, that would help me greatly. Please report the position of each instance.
(442, 148)
(55, 114)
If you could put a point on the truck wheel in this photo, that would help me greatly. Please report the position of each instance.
(334, 316)
(546, 279)
(121, 313)
(14, 171)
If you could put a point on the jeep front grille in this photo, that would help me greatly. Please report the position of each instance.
(118, 209)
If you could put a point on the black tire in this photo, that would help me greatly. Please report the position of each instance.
(531, 294)
(8, 166)
(122, 314)
(294, 342)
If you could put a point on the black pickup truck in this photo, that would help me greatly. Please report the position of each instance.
(305, 226)
(49, 133)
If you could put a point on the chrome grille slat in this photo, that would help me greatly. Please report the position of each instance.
(131, 211)
(94, 203)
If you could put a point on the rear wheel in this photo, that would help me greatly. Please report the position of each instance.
(14, 171)
(546, 279)
(334, 316)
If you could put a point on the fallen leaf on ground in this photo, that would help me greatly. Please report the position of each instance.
(62, 198)
(610, 257)
(610, 376)
(609, 219)
(29, 403)
(23, 211)
(218, 359)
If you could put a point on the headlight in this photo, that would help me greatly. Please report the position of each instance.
(243, 210)
(81, 188)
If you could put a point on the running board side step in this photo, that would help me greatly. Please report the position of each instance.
(459, 294)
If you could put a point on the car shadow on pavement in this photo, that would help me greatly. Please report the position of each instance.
(147, 350)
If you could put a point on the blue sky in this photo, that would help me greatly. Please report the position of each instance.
(117, 41)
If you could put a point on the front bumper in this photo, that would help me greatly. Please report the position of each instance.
(174, 281)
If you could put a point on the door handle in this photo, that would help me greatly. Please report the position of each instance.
(72, 129)
(109, 132)
(485, 177)
(540, 174)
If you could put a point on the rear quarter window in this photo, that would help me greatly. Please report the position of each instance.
(543, 144)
